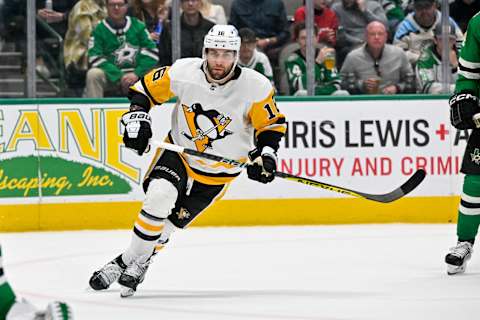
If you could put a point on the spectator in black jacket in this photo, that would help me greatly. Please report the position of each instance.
(14, 17)
(463, 10)
(267, 18)
(194, 28)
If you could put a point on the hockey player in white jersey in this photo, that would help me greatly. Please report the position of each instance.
(14, 308)
(221, 108)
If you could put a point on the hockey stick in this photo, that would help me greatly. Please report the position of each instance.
(401, 191)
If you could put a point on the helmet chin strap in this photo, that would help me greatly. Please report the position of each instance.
(219, 81)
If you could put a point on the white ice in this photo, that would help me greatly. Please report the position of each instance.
(318, 272)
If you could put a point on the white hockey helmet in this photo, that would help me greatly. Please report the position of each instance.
(222, 36)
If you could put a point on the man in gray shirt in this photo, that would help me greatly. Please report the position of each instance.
(378, 68)
(354, 15)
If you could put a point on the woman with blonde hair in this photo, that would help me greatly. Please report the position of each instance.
(213, 12)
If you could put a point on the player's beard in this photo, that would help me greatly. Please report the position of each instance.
(218, 72)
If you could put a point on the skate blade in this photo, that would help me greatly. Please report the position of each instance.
(452, 270)
(126, 292)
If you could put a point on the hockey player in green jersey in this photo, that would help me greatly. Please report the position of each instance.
(120, 51)
(463, 106)
(327, 79)
(12, 308)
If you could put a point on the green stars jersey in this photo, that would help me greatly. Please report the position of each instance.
(326, 81)
(260, 63)
(429, 72)
(469, 62)
(117, 51)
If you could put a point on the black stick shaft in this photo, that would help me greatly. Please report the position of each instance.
(398, 193)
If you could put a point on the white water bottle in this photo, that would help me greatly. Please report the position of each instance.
(48, 5)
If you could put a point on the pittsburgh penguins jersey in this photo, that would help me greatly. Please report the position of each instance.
(221, 119)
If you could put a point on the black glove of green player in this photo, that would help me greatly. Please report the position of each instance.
(463, 106)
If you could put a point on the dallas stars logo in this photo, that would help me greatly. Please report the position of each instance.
(125, 54)
(475, 156)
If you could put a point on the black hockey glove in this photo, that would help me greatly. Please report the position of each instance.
(263, 165)
(137, 130)
(463, 106)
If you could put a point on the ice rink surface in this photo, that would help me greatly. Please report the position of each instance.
(325, 272)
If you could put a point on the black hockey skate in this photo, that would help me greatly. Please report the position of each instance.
(132, 277)
(108, 274)
(458, 256)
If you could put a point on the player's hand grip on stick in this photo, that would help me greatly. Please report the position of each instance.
(263, 165)
(399, 192)
(463, 107)
(137, 130)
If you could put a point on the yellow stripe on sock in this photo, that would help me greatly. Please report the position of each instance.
(148, 226)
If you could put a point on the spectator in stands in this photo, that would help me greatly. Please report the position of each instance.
(162, 36)
(14, 19)
(194, 27)
(462, 10)
(213, 12)
(416, 30)
(429, 65)
(154, 13)
(121, 52)
(146, 11)
(267, 18)
(327, 80)
(395, 13)
(250, 57)
(57, 18)
(377, 67)
(84, 17)
(354, 16)
(325, 20)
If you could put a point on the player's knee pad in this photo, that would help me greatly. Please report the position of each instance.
(160, 198)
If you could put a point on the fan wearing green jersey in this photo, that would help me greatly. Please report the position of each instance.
(120, 52)
(327, 79)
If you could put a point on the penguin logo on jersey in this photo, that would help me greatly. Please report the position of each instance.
(205, 126)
